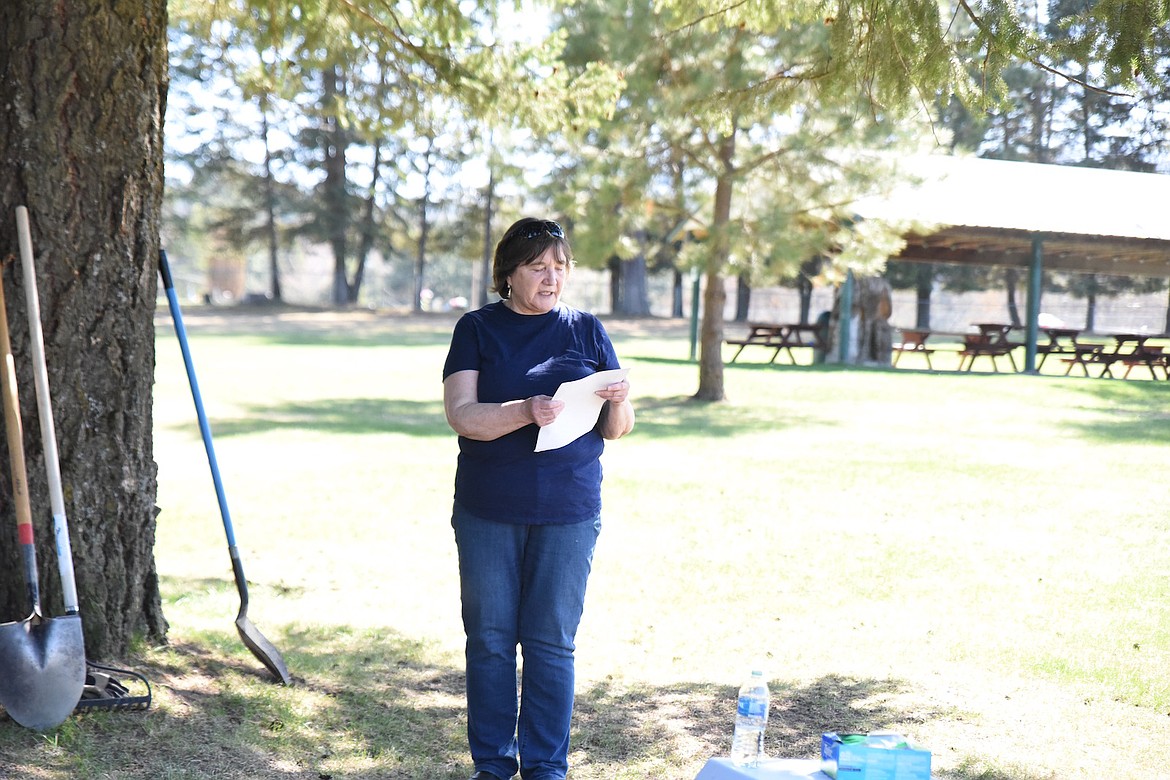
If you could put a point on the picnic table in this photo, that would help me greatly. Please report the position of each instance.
(1061, 341)
(1131, 350)
(780, 337)
(991, 341)
(913, 340)
(1082, 355)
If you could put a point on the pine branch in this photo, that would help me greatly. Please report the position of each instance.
(699, 20)
(979, 23)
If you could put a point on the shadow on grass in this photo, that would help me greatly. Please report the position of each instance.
(658, 417)
(662, 417)
(1137, 411)
(355, 338)
(621, 725)
(175, 590)
(293, 326)
(747, 365)
(376, 704)
(339, 415)
(618, 726)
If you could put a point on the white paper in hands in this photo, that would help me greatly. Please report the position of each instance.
(582, 408)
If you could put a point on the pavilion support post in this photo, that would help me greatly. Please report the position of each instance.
(845, 334)
(1035, 278)
(696, 291)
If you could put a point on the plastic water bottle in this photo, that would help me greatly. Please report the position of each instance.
(751, 719)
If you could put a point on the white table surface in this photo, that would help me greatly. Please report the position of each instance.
(769, 769)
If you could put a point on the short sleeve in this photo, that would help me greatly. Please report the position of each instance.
(607, 356)
(464, 353)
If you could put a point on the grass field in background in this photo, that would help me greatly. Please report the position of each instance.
(978, 561)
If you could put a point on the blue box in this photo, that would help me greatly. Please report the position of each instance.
(848, 757)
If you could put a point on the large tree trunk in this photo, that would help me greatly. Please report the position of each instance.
(633, 288)
(714, 297)
(368, 233)
(804, 287)
(743, 298)
(424, 229)
(676, 297)
(420, 255)
(1091, 304)
(270, 208)
(81, 145)
(1011, 279)
(923, 288)
(336, 145)
(480, 298)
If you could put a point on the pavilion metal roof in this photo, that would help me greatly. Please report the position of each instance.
(987, 212)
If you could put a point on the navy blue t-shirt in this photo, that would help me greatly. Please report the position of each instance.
(519, 356)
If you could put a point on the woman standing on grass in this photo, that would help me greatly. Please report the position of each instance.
(525, 522)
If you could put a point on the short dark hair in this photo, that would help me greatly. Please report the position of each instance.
(526, 240)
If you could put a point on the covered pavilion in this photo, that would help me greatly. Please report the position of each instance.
(968, 210)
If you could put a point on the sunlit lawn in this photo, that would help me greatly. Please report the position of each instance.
(978, 561)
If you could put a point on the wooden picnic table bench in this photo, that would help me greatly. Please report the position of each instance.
(991, 341)
(1148, 355)
(780, 337)
(1082, 355)
(1127, 349)
(913, 340)
(1061, 341)
(1139, 354)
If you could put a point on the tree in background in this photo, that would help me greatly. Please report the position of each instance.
(1115, 127)
(358, 85)
(613, 183)
(86, 156)
(243, 202)
(701, 137)
(219, 204)
(82, 102)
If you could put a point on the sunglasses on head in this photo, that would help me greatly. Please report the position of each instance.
(538, 229)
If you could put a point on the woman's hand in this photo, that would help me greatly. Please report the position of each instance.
(542, 409)
(617, 416)
(487, 422)
(615, 393)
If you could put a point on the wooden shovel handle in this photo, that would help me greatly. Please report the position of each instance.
(12, 427)
(45, 410)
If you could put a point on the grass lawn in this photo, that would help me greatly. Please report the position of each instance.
(978, 561)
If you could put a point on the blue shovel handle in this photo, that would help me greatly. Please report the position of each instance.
(205, 429)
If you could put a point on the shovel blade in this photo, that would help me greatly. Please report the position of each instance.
(42, 670)
(264, 650)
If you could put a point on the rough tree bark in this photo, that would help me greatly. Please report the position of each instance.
(743, 298)
(924, 287)
(81, 144)
(714, 297)
(336, 142)
(631, 289)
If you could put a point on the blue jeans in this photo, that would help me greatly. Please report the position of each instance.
(521, 585)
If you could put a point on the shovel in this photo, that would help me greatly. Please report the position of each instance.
(251, 636)
(42, 660)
